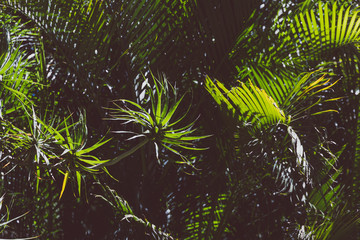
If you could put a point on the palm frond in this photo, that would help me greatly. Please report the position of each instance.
(330, 219)
(15, 83)
(328, 211)
(293, 93)
(123, 209)
(206, 220)
(76, 35)
(329, 28)
(252, 106)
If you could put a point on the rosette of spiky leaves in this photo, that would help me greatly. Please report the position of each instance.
(158, 123)
(35, 147)
(72, 139)
(55, 145)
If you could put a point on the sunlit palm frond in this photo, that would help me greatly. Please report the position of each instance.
(15, 84)
(258, 112)
(294, 94)
(252, 105)
(323, 31)
(277, 85)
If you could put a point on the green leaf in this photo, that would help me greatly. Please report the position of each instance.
(66, 176)
(93, 147)
(78, 178)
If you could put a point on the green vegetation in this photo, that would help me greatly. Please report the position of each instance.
(199, 119)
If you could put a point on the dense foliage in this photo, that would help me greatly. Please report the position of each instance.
(199, 119)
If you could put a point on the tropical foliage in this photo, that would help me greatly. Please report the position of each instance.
(199, 119)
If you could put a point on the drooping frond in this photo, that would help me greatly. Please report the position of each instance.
(123, 209)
